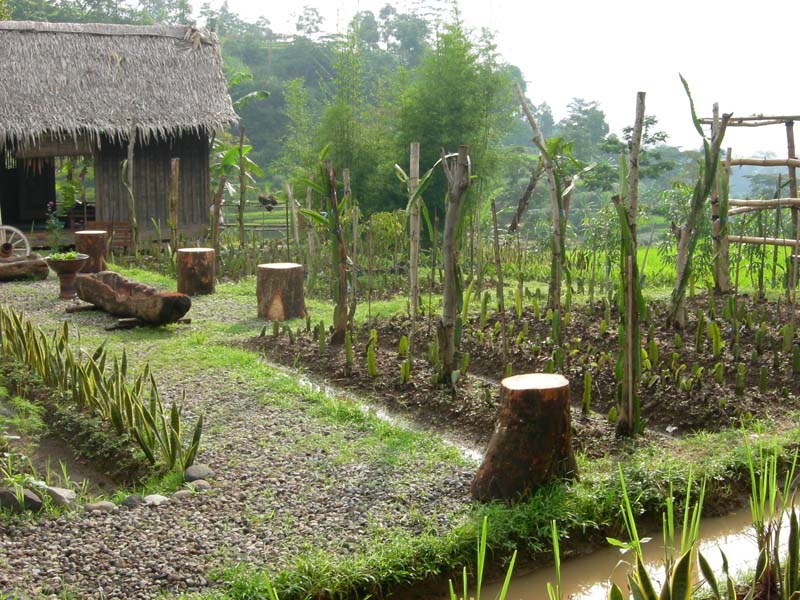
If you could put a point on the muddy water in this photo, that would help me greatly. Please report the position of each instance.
(589, 577)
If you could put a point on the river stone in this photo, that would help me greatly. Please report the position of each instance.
(61, 496)
(30, 501)
(196, 472)
(180, 494)
(132, 501)
(155, 500)
(103, 506)
(201, 485)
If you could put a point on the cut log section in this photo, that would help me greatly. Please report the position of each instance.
(279, 290)
(93, 242)
(32, 266)
(196, 271)
(531, 444)
(123, 298)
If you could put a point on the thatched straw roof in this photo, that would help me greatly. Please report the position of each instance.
(64, 80)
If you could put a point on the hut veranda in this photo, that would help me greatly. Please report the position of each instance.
(86, 90)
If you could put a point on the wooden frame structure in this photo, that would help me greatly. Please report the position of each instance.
(721, 237)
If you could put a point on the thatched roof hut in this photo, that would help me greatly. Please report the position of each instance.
(86, 80)
(82, 89)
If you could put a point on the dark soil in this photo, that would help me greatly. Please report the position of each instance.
(682, 391)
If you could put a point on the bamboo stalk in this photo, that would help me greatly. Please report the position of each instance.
(744, 239)
(174, 200)
(770, 203)
(765, 162)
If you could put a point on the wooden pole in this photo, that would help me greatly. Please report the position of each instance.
(743, 239)
(793, 193)
(719, 227)
(500, 296)
(293, 214)
(554, 301)
(217, 209)
(766, 162)
(242, 187)
(414, 235)
(457, 184)
(174, 201)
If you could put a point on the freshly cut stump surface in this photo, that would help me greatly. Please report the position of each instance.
(93, 242)
(279, 290)
(531, 444)
(196, 271)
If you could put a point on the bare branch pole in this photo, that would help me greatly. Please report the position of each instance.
(457, 184)
(526, 196)
(242, 187)
(554, 300)
(501, 305)
(687, 233)
(217, 208)
(414, 231)
(628, 409)
(719, 227)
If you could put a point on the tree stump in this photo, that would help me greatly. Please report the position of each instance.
(531, 444)
(123, 298)
(93, 242)
(279, 290)
(196, 271)
(32, 266)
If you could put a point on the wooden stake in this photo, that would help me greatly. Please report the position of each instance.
(500, 299)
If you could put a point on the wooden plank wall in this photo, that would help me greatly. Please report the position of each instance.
(151, 182)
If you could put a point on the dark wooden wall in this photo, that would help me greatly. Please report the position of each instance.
(151, 173)
(26, 187)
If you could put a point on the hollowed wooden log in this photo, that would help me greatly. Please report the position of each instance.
(279, 290)
(196, 273)
(531, 444)
(32, 266)
(94, 243)
(118, 296)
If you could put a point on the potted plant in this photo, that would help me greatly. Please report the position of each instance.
(66, 265)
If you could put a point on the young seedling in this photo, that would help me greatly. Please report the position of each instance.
(587, 392)
(739, 383)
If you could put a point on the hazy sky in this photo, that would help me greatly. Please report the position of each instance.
(743, 55)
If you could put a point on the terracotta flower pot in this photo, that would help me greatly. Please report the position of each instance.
(66, 271)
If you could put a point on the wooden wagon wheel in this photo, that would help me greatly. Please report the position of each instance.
(13, 242)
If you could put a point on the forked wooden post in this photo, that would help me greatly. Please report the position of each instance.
(279, 290)
(196, 271)
(531, 444)
(93, 242)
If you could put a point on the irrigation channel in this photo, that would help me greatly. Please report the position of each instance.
(589, 577)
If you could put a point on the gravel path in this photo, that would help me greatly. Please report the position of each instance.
(287, 482)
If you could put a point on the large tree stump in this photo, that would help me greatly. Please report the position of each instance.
(531, 441)
(32, 266)
(196, 274)
(93, 242)
(118, 296)
(279, 290)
